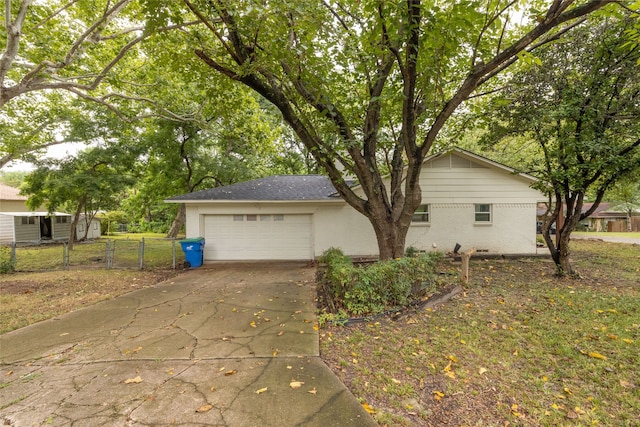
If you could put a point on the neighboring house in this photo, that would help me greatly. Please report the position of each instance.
(34, 226)
(466, 199)
(608, 217)
(93, 227)
(11, 200)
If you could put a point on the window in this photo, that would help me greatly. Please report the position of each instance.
(483, 213)
(61, 220)
(252, 217)
(95, 225)
(265, 217)
(81, 227)
(238, 217)
(421, 214)
(28, 220)
(279, 217)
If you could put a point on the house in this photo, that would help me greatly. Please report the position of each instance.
(11, 200)
(609, 217)
(34, 226)
(467, 199)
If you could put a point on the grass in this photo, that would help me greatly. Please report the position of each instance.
(634, 235)
(518, 347)
(124, 247)
(28, 298)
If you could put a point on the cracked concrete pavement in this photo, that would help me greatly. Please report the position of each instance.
(222, 345)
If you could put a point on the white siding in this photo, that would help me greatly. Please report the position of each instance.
(26, 232)
(6, 229)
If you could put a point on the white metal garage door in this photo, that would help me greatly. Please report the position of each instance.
(255, 237)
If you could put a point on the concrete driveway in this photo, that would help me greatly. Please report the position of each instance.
(224, 345)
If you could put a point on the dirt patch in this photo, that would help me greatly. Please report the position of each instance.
(27, 298)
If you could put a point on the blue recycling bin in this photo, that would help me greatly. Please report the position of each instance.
(193, 251)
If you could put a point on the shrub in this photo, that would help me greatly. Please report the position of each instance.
(378, 287)
(6, 262)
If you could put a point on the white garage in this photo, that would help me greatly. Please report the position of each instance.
(258, 237)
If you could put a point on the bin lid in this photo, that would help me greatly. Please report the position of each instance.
(192, 240)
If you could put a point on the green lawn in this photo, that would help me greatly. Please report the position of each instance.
(635, 235)
(518, 347)
(125, 252)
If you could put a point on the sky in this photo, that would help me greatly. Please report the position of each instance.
(57, 152)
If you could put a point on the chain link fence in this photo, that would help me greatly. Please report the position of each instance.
(146, 253)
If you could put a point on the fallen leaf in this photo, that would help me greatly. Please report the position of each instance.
(514, 411)
(296, 384)
(253, 324)
(204, 408)
(262, 390)
(313, 391)
(627, 384)
(482, 370)
(280, 333)
(597, 355)
(368, 408)
(135, 380)
(137, 349)
(231, 372)
(572, 415)
(453, 358)
(438, 395)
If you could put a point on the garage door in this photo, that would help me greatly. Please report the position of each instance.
(256, 237)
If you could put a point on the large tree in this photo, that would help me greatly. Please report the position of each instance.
(573, 121)
(368, 85)
(57, 51)
(84, 184)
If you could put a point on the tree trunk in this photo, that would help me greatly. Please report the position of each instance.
(178, 222)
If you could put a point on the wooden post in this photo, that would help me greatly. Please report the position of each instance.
(465, 256)
(465, 264)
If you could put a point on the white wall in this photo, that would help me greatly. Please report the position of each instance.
(512, 230)
(6, 229)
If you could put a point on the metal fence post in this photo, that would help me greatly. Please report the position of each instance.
(65, 256)
(141, 254)
(14, 259)
(173, 253)
(108, 255)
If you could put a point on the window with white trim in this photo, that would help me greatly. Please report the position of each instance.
(421, 214)
(238, 217)
(483, 212)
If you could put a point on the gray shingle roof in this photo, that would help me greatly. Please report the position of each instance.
(278, 187)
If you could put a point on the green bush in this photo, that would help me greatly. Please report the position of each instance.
(6, 263)
(372, 289)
